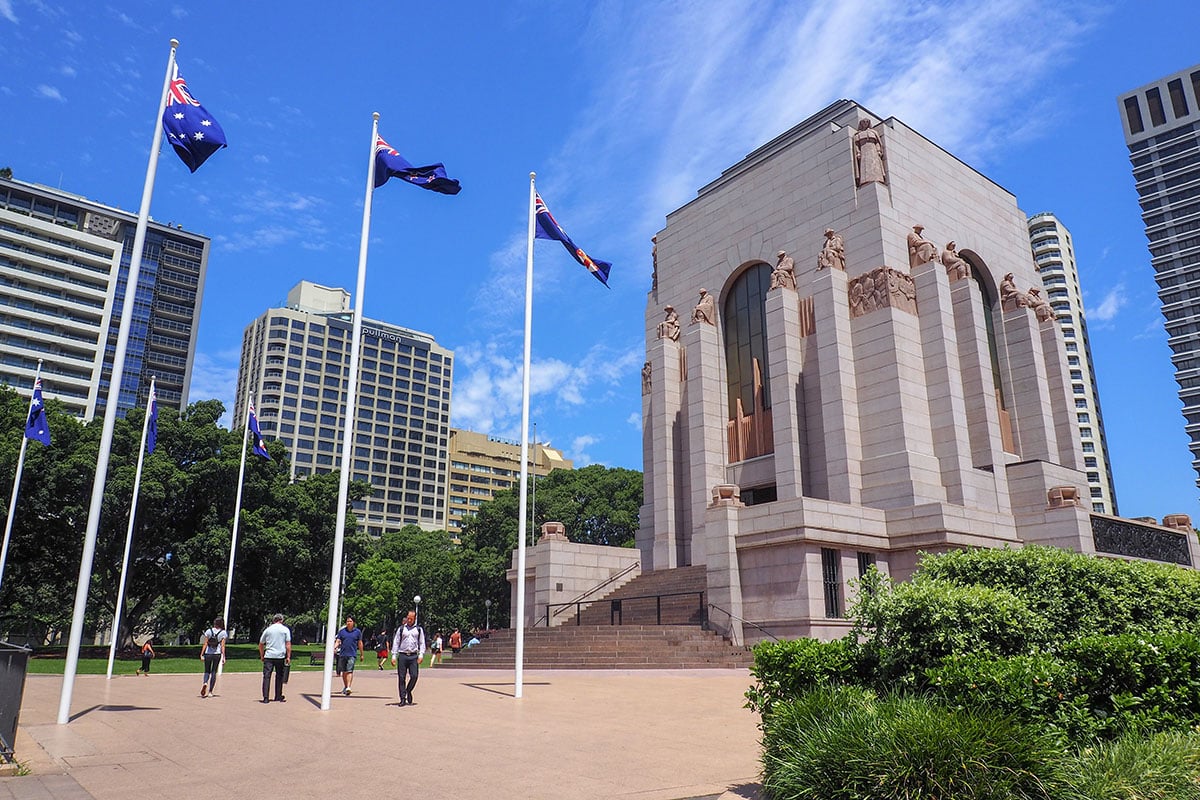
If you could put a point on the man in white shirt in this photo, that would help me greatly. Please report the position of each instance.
(275, 651)
(409, 646)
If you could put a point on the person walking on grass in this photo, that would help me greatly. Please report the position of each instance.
(409, 645)
(349, 645)
(212, 653)
(147, 655)
(275, 651)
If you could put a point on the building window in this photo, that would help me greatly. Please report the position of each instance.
(1154, 102)
(747, 378)
(1133, 113)
(1178, 99)
(865, 562)
(832, 580)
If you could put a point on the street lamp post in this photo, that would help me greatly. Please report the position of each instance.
(417, 600)
(488, 605)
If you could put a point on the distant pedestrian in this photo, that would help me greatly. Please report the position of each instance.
(455, 641)
(147, 655)
(212, 653)
(436, 658)
(381, 647)
(409, 645)
(275, 651)
(349, 649)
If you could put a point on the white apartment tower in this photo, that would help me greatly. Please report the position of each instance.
(1161, 123)
(1054, 254)
(296, 359)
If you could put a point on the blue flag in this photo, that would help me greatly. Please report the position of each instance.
(548, 228)
(152, 422)
(190, 129)
(260, 444)
(36, 426)
(389, 163)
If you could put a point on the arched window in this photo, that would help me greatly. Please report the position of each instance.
(747, 378)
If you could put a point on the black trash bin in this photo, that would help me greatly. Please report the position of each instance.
(14, 660)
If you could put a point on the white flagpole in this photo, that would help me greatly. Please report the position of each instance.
(110, 410)
(137, 485)
(237, 516)
(12, 501)
(347, 466)
(523, 527)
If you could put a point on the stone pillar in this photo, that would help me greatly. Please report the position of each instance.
(724, 580)
(662, 410)
(706, 425)
(1062, 399)
(1023, 373)
(947, 406)
(833, 460)
(984, 425)
(898, 467)
(784, 360)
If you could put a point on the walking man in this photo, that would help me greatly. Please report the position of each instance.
(409, 645)
(349, 644)
(275, 651)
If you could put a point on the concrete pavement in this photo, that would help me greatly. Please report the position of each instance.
(649, 735)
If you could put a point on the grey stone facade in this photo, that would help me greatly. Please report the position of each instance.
(869, 414)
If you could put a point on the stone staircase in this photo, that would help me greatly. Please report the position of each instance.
(621, 630)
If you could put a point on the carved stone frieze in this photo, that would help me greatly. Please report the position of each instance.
(882, 288)
(1127, 538)
(647, 371)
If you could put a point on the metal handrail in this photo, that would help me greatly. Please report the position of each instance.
(615, 611)
(622, 573)
(744, 621)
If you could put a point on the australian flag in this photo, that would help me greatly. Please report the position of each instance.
(260, 444)
(190, 129)
(36, 426)
(389, 163)
(548, 228)
(152, 421)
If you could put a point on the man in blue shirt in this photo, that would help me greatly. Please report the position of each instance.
(349, 647)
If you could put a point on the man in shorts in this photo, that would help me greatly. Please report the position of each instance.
(349, 648)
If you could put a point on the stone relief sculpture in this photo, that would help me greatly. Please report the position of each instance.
(1041, 307)
(882, 288)
(956, 267)
(784, 274)
(833, 252)
(868, 154)
(1010, 298)
(920, 250)
(654, 263)
(669, 327)
(646, 374)
(705, 310)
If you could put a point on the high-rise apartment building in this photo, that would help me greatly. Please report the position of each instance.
(64, 265)
(1161, 123)
(1054, 254)
(481, 465)
(296, 360)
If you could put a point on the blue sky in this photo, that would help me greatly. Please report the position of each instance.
(624, 109)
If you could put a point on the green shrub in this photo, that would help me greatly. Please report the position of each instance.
(1076, 593)
(784, 670)
(1164, 766)
(912, 627)
(843, 744)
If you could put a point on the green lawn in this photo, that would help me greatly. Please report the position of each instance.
(239, 658)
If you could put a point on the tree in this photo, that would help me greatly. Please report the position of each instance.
(406, 563)
(6, 173)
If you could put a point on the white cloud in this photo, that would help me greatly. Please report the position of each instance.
(577, 451)
(634, 420)
(261, 159)
(1110, 306)
(49, 92)
(179, 12)
(214, 376)
(488, 384)
(67, 70)
(6, 11)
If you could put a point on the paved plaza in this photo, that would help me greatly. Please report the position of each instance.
(650, 735)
